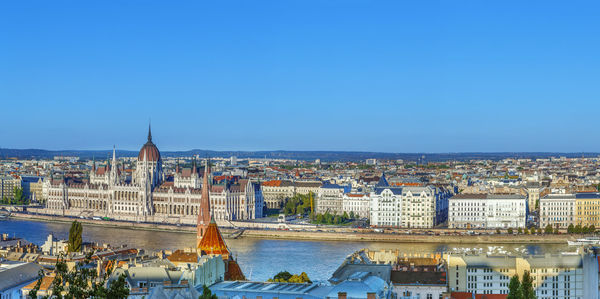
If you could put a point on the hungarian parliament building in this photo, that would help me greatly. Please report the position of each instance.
(146, 196)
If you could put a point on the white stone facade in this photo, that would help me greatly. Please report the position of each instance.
(146, 198)
(558, 210)
(487, 211)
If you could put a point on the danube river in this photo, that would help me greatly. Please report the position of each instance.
(259, 259)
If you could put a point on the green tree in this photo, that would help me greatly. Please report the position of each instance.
(527, 286)
(285, 276)
(352, 216)
(282, 276)
(578, 229)
(514, 288)
(592, 229)
(75, 237)
(519, 230)
(345, 217)
(539, 230)
(510, 230)
(571, 228)
(19, 197)
(207, 294)
(548, 229)
(337, 219)
(526, 231)
(82, 282)
(319, 218)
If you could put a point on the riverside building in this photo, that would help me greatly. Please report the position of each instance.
(567, 275)
(487, 211)
(147, 196)
(587, 209)
(411, 207)
(557, 210)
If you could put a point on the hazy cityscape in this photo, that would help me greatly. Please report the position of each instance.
(299, 149)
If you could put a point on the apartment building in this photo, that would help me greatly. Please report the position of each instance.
(587, 209)
(487, 211)
(358, 204)
(558, 210)
(410, 207)
(566, 275)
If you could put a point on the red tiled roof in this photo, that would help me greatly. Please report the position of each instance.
(275, 183)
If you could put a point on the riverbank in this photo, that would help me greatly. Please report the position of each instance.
(316, 235)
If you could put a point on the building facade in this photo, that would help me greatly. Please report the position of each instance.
(145, 196)
(329, 199)
(8, 185)
(587, 207)
(410, 207)
(357, 204)
(554, 275)
(557, 210)
(487, 211)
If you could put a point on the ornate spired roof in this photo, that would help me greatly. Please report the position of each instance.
(212, 242)
(149, 150)
(204, 215)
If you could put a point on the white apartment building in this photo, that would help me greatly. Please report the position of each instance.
(386, 207)
(487, 211)
(417, 207)
(359, 204)
(567, 275)
(557, 210)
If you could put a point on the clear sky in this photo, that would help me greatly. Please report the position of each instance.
(390, 76)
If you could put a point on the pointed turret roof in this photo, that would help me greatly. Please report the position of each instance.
(212, 242)
(204, 215)
(382, 181)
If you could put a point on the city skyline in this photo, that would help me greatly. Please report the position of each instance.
(343, 76)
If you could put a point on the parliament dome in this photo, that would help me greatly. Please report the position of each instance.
(149, 150)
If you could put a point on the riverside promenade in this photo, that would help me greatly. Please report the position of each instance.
(344, 234)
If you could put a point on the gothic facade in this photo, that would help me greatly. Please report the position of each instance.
(146, 196)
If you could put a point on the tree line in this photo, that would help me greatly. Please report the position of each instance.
(18, 198)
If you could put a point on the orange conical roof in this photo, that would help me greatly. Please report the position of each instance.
(212, 242)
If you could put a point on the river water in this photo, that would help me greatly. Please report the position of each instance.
(259, 259)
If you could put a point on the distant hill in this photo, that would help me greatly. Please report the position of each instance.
(296, 155)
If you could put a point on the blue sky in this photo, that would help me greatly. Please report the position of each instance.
(390, 76)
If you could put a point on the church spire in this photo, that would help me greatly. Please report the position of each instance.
(149, 133)
(204, 215)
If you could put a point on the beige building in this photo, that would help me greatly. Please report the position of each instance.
(7, 186)
(276, 192)
(568, 275)
(330, 199)
(587, 209)
(534, 192)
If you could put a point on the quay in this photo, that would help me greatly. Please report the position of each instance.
(339, 234)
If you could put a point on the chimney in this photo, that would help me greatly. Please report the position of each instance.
(370, 295)
(342, 295)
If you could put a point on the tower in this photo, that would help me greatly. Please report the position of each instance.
(204, 213)
(114, 170)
